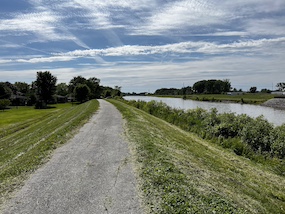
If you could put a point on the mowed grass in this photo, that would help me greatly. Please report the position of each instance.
(249, 98)
(179, 172)
(27, 137)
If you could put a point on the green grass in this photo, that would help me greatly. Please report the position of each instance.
(27, 137)
(249, 98)
(179, 172)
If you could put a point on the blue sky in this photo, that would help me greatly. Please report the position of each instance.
(144, 45)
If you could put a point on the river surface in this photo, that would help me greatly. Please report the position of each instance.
(275, 116)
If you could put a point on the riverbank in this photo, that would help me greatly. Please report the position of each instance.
(245, 98)
(178, 172)
(277, 103)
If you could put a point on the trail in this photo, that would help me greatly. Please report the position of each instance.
(90, 174)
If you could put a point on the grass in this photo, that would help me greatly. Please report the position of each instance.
(249, 98)
(179, 172)
(27, 137)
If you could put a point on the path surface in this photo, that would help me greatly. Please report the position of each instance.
(90, 174)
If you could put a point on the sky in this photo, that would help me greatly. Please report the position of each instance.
(144, 45)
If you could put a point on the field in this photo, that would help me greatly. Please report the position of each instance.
(179, 172)
(27, 137)
(249, 98)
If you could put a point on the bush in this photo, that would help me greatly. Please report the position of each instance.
(256, 134)
(278, 142)
(4, 103)
(243, 135)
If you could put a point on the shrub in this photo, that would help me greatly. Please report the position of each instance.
(256, 134)
(4, 103)
(278, 142)
(242, 134)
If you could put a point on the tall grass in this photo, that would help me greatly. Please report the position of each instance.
(179, 172)
(26, 144)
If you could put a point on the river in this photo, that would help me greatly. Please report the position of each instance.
(275, 116)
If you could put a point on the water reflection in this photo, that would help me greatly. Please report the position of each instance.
(274, 116)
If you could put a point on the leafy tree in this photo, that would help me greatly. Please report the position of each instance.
(265, 90)
(81, 92)
(45, 87)
(4, 103)
(22, 87)
(199, 87)
(212, 86)
(280, 86)
(75, 81)
(5, 91)
(93, 84)
(62, 89)
(252, 89)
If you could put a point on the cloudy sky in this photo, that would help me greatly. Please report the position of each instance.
(144, 45)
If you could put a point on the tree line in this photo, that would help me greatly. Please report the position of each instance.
(201, 87)
(45, 90)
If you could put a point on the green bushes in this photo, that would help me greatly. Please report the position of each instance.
(244, 135)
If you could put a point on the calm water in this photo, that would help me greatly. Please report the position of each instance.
(274, 116)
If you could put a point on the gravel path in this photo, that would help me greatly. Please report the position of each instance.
(90, 174)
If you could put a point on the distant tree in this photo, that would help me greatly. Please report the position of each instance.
(117, 91)
(227, 86)
(81, 92)
(212, 86)
(62, 89)
(281, 86)
(200, 86)
(252, 89)
(264, 90)
(93, 83)
(22, 87)
(75, 81)
(45, 87)
(5, 91)
(4, 103)
(107, 93)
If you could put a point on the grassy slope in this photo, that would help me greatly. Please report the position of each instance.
(27, 136)
(181, 173)
(249, 98)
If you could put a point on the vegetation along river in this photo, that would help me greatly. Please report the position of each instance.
(275, 116)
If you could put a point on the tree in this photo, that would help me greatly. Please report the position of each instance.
(265, 90)
(93, 84)
(22, 87)
(212, 86)
(5, 91)
(75, 81)
(252, 89)
(281, 86)
(45, 87)
(81, 92)
(4, 103)
(62, 89)
(199, 87)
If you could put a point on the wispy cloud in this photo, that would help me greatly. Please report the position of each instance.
(180, 48)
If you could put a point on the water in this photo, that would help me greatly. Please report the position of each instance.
(275, 116)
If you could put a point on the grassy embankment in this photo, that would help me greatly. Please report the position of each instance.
(27, 137)
(179, 172)
(248, 98)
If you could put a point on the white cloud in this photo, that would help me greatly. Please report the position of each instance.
(180, 48)
(242, 71)
(46, 59)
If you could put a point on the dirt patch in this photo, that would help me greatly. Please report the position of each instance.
(278, 103)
